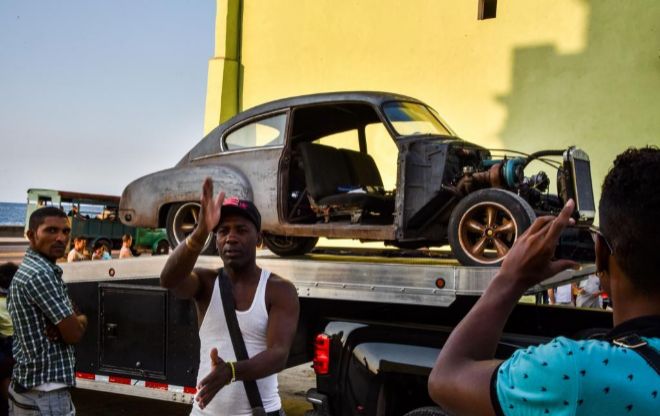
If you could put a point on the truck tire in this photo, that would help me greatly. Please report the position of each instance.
(181, 221)
(484, 225)
(427, 411)
(289, 246)
(162, 248)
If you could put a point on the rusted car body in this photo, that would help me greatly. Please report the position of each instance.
(311, 166)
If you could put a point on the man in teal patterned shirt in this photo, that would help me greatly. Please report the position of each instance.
(45, 324)
(619, 375)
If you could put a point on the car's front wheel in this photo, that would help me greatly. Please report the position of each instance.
(289, 246)
(484, 225)
(181, 221)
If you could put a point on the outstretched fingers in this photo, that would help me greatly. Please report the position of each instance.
(561, 222)
(219, 200)
(539, 224)
(210, 385)
(207, 190)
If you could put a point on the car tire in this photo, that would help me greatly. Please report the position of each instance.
(181, 221)
(162, 248)
(427, 411)
(289, 246)
(484, 225)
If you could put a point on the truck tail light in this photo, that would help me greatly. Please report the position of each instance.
(321, 354)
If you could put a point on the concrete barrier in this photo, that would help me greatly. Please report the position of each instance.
(11, 231)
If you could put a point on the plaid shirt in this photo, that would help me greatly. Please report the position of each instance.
(37, 295)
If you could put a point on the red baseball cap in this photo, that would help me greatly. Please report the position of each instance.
(242, 207)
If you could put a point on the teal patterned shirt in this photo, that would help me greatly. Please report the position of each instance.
(568, 377)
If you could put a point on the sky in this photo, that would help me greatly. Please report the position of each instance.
(95, 94)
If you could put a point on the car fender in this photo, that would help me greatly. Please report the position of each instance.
(143, 198)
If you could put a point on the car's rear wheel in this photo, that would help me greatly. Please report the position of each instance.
(484, 225)
(181, 221)
(289, 246)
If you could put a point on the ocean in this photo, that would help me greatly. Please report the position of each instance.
(12, 213)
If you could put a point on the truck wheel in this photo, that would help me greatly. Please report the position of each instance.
(289, 246)
(427, 411)
(162, 248)
(484, 225)
(181, 221)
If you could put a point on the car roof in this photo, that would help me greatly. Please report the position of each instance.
(375, 98)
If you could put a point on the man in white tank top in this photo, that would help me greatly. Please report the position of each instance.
(267, 308)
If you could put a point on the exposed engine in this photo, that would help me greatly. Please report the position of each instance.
(478, 170)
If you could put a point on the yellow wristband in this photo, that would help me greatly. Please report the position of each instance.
(233, 371)
(192, 246)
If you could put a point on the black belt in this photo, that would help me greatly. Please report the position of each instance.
(275, 413)
(23, 406)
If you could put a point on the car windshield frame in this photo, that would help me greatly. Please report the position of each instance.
(414, 112)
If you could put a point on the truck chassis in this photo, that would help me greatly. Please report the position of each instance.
(384, 321)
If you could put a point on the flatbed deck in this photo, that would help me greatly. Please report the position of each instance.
(432, 281)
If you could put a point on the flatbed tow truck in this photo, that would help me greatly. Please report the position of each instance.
(371, 325)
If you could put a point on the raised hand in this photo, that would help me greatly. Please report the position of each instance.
(530, 260)
(209, 214)
(210, 385)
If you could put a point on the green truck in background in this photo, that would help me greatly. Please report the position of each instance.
(94, 217)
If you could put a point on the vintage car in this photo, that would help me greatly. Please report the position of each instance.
(371, 166)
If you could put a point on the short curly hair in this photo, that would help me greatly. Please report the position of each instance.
(628, 211)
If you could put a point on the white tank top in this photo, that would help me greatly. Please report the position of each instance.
(213, 333)
(564, 294)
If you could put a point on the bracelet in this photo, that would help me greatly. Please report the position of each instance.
(192, 246)
(233, 371)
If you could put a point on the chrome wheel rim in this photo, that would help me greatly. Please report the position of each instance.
(486, 232)
(185, 221)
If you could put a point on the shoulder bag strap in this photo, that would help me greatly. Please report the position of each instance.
(251, 388)
(635, 343)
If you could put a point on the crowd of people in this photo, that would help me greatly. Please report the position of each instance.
(100, 250)
(248, 316)
(586, 293)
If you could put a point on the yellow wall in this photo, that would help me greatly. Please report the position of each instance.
(543, 74)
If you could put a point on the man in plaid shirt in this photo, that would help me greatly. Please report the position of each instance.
(45, 324)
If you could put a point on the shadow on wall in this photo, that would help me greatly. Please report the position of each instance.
(604, 99)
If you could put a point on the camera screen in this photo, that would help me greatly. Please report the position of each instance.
(585, 194)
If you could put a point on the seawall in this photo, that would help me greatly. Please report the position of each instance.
(11, 231)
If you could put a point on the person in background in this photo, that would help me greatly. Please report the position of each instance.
(125, 251)
(589, 293)
(561, 295)
(45, 323)
(101, 252)
(77, 253)
(616, 375)
(7, 272)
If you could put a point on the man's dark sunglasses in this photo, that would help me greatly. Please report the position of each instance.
(596, 233)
